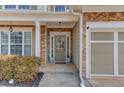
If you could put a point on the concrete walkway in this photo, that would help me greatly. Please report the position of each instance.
(59, 75)
(106, 83)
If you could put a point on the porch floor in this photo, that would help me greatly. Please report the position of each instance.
(105, 83)
(59, 75)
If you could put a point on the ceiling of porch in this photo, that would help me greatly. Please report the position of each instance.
(60, 24)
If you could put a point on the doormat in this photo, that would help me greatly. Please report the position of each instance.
(60, 63)
(34, 83)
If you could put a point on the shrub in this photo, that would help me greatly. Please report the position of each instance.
(19, 68)
(6, 66)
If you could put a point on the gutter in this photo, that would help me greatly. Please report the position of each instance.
(81, 47)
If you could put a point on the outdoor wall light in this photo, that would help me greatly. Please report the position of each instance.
(10, 28)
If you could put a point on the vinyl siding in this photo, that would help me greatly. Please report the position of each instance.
(76, 44)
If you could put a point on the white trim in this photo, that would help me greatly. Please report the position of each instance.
(9, 42)
(0, 43)
(106, 25)
(116, 53)
(88, 54)
(46, 59)
(53, 48)
(120, 41)
(65, 45)
(101, 31)
(101, 41)
(50, 45)
(106, 75)
(111, 24)
(37, 38)
(52, 34)
(23, 43)
(120, 76)
(81, 52)
(69, 45)
(102, 75)
(60, 11)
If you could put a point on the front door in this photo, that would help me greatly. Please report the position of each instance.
(60, 48)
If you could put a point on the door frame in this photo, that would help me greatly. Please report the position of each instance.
(52, 41)
(107, 25)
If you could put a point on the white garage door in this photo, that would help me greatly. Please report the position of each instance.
(105, 50)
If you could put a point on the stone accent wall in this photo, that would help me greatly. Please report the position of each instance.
(97, 17)
(43, 44)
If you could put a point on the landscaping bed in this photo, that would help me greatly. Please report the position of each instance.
(33, 83)
(20, 71)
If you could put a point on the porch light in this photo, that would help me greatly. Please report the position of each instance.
(60, 23)
(10, 28)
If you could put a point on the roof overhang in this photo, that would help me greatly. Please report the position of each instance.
(99, 8)
(102, 8)
(33, 16)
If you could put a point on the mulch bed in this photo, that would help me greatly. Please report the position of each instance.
(34, 83)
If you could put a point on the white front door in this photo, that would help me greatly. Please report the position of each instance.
(60, 47)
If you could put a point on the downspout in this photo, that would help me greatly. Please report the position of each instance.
(81, 48)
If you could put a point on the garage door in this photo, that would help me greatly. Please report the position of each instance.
(105, 49)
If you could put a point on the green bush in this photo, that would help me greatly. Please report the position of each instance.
(19, 68)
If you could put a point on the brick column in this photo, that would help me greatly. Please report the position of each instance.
(43, 44)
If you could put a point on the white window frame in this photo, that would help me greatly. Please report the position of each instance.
(106, 25)
(23, 44)
(22, 8)
(4, 44)
(60, 11)
(8, 8)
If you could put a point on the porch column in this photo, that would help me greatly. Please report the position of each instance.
(37, 38)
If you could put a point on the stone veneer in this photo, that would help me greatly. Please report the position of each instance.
(97, 17)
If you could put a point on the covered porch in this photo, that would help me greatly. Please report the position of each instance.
(65, 29)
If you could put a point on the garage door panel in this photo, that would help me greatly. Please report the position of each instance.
(121, 58)
(102, 58)
(102, 36)
(121, 36)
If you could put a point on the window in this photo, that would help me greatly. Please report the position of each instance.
(60, 8)
(17, 43)
(10, 6)
(27, 43)
(24, 7)
(1, 6)
(121, 53)
(4, 42)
